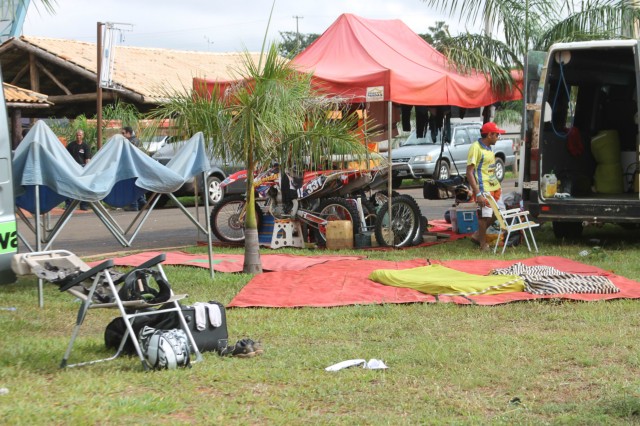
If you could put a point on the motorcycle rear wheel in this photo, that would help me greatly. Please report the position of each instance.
(227, 219)
(336, 208)
(404, 225)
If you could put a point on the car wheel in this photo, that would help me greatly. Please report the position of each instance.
(499, 169)
(442, 171)
(214, 190)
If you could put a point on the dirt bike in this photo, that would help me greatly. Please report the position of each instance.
(406, 224)
(312, 198)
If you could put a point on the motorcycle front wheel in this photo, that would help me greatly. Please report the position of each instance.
(400, 230)
(335, 209)
(227, 219)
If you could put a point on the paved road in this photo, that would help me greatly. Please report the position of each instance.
(85, 235)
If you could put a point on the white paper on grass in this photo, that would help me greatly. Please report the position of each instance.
(373, 364)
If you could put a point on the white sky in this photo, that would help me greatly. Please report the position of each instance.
(214, 25)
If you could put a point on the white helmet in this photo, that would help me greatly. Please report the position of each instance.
(165, 349)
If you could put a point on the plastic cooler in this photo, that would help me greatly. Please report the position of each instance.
(464, 220)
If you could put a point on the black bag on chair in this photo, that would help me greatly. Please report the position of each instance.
(137, 286)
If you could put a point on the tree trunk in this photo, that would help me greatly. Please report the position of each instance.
(252, 262)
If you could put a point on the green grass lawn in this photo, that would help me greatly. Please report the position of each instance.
(536, 362)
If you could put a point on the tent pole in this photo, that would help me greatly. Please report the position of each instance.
(206, 218)
(39, 245)
(390, 175)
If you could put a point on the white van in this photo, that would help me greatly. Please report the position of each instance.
(8, 226)
(580, 156)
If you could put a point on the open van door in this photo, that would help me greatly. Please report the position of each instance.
(582, 135)
(533, 85)
(8, 227)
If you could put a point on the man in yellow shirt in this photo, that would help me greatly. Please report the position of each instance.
(481, 175)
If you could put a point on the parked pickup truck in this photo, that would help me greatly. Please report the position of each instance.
(416, 157)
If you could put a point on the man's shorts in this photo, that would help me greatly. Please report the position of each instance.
(497, 195)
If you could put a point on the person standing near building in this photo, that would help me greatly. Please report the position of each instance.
(128, 133)
(139, 204)
(81, 152)
(481, 175)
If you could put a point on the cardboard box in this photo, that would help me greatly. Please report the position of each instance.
(339, 234)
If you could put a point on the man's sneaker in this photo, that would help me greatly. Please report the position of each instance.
(242, 349)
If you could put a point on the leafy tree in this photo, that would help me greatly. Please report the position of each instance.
(122, 113)
(294, 43)
(271, 114)
(437, 35)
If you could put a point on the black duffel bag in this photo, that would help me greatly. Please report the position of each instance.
(210, 339)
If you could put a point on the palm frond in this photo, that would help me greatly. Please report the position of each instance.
(608, 20)
(479, 53)
(509, 113)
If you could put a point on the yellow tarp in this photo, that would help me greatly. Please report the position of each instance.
(438, 279)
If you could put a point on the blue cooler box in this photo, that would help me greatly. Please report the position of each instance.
(265, 233)
(466, 220)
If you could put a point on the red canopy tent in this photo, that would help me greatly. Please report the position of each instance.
(384, 60)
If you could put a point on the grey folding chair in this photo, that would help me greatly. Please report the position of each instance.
(79, 279)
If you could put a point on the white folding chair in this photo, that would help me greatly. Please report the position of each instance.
(512, 220)
(67, 270)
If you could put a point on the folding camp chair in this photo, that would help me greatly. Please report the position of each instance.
(512, 220)
(70, 272)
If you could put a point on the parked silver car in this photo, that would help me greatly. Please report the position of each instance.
(418, 157)
(154, 144)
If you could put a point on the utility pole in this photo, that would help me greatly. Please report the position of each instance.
(297, 18)
(209, 42)
(99, 87)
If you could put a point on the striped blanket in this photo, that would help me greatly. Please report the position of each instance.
(549, 280)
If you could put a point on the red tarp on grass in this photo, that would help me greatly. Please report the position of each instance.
(230, 262)
(346, 283)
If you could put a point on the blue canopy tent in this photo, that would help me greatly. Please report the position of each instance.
(45, 174)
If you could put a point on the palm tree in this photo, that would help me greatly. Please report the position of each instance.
(271, 114)
(513, 27)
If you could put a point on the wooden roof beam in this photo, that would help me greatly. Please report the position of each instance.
(42, 54)
(26, 105)
(53, 78)
(19, 75)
